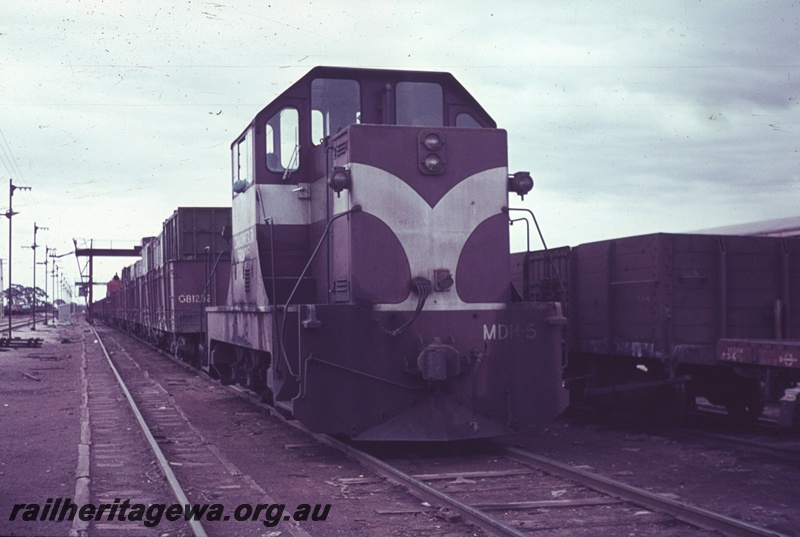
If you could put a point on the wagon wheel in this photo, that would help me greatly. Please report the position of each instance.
(747, 403)
(671, 405)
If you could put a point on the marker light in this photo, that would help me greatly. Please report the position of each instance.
(339, 179)
(520, 183)
(432, 141)
(431, 156)
(432, 162)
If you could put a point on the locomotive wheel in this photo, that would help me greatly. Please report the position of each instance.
(249, 370)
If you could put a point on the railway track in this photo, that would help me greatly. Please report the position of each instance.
(693, 515)
(597, 500)
(762, 436)
(513, 492)
(105, 407)
(119, 456)
(503, 491)
(778, 444)
(20, 322)
(143, 449)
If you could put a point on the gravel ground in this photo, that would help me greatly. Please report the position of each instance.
(40, 416)
(285, 463)
(40, 413)
(749, 484)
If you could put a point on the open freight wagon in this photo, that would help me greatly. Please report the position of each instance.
(657, 320)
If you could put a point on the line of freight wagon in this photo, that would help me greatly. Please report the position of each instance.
(656, 321)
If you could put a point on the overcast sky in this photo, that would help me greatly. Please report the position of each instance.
(633, 117)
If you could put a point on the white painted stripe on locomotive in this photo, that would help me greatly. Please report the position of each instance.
(283, 204)
(432, 237)
(434, 305)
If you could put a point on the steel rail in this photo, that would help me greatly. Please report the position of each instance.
(787, 453)
(419, 489)
(416, 487)
(197, 528)
(19, 324)
(685, 512)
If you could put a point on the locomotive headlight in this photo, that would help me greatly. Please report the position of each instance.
(520, 183)
(339, 179)
(432, 162)
(432, 141)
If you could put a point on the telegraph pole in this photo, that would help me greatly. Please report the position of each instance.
(46, 295)
(55, 292)
(9, 214)
(53, 280)
(33, 310)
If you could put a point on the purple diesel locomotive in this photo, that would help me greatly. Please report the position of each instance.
(370, 290)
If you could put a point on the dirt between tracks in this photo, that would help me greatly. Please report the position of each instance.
(752, 485)
(292, 469)
(40, 416)
(39, 412)
(288, 465)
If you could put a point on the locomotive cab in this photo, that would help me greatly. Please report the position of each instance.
(370, 292)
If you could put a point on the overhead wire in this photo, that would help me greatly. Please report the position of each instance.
(13, 169)
(24, 202)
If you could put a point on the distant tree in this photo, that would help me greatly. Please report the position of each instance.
(25, 296)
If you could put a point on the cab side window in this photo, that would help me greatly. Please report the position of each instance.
(283, 141)
(242, 162)
(466, 120)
